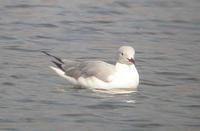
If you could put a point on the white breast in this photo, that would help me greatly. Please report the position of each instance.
(126, 76)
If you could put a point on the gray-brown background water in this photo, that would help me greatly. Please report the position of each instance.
(165, 34)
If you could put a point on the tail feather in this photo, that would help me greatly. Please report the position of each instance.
(62, 74)
(58, 59)
(59, 65)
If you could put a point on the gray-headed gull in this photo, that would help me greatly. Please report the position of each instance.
(99, 74)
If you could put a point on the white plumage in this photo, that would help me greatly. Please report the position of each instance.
(98, 74)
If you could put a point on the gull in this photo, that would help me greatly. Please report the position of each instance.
(100, 75)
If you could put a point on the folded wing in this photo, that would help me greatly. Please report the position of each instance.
(76, 69)
(98, 69)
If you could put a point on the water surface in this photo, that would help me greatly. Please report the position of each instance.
(165, 34)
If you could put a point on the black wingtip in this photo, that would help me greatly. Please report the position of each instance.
(58, 65)
(45, 53)
(58, 59)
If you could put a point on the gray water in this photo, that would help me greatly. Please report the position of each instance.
(165, 34)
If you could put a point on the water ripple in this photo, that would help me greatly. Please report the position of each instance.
(191, 106)
(164, 33)
(18, 48)
(8, 129)
(31, 6)
(7, 38)
(8, 84)
(108, 105)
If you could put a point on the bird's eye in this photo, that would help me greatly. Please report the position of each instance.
(122, 53)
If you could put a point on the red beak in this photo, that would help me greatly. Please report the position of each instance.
(131, 60)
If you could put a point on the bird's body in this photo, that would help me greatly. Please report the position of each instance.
(122, 76)
(99, 74)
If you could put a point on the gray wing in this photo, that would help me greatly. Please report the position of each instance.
(98, 69)
(77, 69)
